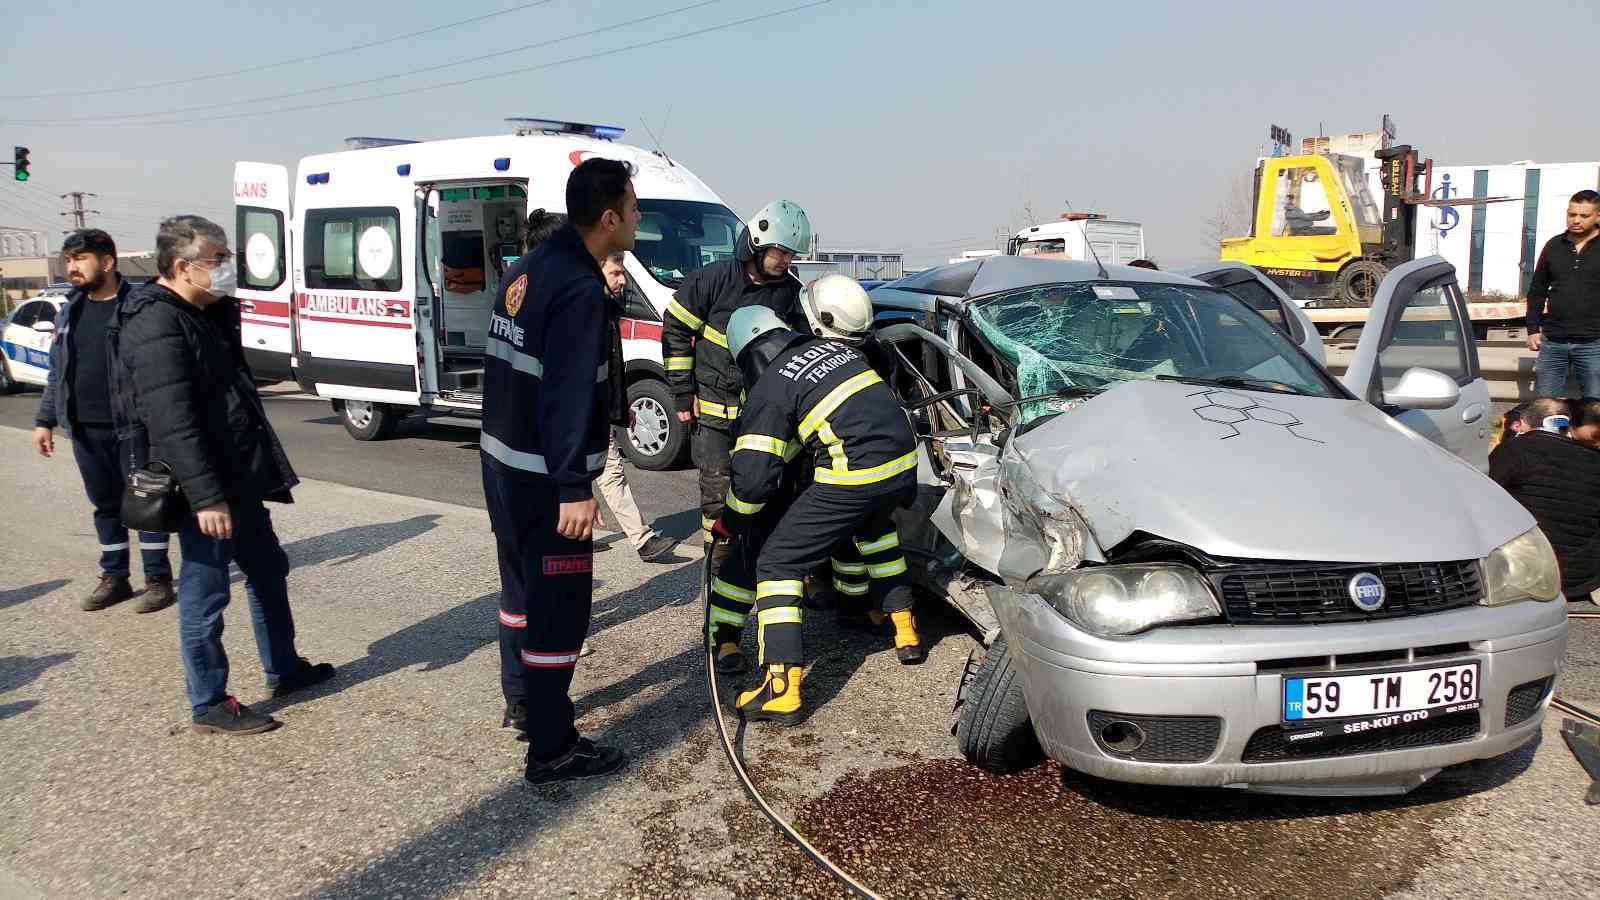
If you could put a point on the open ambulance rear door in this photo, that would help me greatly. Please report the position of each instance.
(266, 291)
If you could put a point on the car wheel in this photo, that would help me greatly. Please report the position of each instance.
(366, 421)
(657, 439)
(993, 729)
(8, 385)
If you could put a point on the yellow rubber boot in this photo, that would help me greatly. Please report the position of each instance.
(730, 658)
(907, 643)
(777, 699)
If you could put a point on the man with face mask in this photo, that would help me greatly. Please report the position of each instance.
(78, 397)
(183, 394)
(705, 380)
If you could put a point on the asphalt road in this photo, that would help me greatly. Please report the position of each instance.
(431, 461)
(395, 781)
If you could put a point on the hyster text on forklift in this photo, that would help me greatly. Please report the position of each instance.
(374, 289)
(1318, 232)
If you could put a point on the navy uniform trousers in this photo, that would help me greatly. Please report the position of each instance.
(546, 596)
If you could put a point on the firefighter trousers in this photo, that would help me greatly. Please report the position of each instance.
(711, 448)
(546, 596)
(823, 516)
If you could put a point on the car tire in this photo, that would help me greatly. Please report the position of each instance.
(1358, 281)
(8, 385)
(993, 729)
(658, 440)
(364, 420)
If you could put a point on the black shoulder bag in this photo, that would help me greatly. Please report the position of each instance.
(153, 499)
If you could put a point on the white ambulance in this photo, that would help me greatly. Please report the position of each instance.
(374, 287)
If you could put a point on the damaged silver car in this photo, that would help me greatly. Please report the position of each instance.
(1198, 558)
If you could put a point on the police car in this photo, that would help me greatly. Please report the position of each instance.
(25, 342)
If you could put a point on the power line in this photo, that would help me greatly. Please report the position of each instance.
(448, 84)
(409, 73)
(287, 62)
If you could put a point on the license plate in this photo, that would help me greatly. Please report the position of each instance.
(1404, 693)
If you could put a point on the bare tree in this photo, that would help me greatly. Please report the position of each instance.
(1235, 210)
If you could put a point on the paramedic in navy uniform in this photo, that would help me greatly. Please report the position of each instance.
(545, 432)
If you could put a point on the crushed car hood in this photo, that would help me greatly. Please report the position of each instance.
(1255, 475)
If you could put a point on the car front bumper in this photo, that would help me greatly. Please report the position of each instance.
(1223, 684)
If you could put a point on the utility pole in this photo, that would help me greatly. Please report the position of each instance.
(77, 212)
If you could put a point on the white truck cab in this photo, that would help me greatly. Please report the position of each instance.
(373, 288)
(1082, 237)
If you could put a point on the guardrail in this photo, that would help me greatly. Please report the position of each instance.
(1507, 366)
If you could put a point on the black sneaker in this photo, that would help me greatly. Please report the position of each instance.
(303, 677)
(657, 548)
(516, 716)
(586, 759)
(112, 589)
(232, 717)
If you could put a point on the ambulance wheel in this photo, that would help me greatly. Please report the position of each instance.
(993, 729)
(8, 385)
(364, 420)
(657, 439)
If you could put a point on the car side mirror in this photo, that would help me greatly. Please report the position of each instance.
(1423, 389)
(44, 325)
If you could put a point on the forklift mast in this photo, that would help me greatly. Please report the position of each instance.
(1407, 182)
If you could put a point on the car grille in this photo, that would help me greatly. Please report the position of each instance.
(1167, 738)
(1269, 744)
(1523, 701)
(1308, 592)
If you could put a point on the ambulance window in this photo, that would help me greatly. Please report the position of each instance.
(356, 248)
(262, 248)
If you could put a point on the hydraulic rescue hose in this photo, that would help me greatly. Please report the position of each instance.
(734, 760)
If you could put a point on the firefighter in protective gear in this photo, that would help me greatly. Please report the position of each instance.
(818, 399)
(705, 380)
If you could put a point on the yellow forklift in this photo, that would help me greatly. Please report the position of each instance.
(1318, 232)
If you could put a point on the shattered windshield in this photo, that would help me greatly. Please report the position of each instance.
(676, 237)
(1077, 339)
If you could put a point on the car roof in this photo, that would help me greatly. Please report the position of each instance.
(962, 281)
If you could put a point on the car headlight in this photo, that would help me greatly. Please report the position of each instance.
(1523, 568)
(1121, 600)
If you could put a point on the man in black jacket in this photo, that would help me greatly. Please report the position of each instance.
(547, 404)
(186, 398)
(705, 380)
(78, 396)
(1558, 479)
(1564, 302)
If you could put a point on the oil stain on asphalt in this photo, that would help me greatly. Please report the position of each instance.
(944, 829)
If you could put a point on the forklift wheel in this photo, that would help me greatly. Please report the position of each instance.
(1358, 281)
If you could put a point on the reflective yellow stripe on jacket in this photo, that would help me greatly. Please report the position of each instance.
(682, 314)
(869, 475)
(787, 450)
(825, 407)
(718, 411)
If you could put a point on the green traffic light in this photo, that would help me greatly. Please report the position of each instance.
(21, 175)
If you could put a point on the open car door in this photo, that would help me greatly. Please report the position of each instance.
(265, 292)
(1417, 360)
(1258, 292)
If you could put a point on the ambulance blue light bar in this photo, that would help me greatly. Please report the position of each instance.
(502, 164)
(317, 178)
(524, 126)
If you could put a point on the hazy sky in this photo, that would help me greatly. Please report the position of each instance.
(918, 126)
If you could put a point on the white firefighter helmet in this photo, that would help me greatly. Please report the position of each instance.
(749, 323)
(781, 223)
(836, 306)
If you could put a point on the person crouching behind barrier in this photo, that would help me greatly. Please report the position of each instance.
(810, 397)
